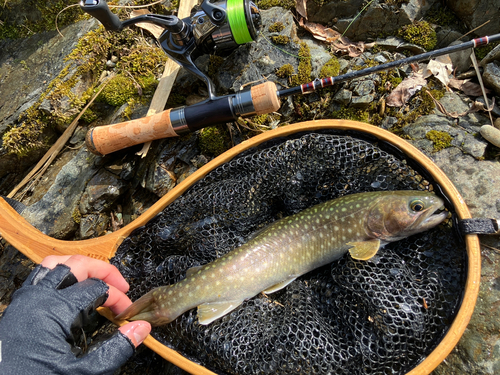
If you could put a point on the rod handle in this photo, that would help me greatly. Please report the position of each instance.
(103, 140)
(265, 98)
(99, 9)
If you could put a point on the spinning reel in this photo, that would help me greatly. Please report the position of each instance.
(213, 27)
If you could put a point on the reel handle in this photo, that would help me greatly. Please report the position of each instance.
(99, 9)
(260, 99)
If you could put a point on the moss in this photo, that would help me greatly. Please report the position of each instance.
(213, 65)
(330, 69)
(305, 68)
(285, 71)
(77, 215)
(440, 139)
(280, 39)
(389, 80)
(139, 64)
(420, 33)
(29, 136)
(441, 16)
(118, 91)
(276, 27)
(41, 17)
(482, 51)
(352, 114)
(286, 4)
(213, 140)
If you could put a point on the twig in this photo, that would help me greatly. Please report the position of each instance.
(480, 79)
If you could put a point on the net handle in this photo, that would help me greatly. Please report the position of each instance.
(37, 245)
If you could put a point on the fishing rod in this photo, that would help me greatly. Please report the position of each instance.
(259, 99)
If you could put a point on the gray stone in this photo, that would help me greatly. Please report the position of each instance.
(388, 122)
(364, 87)
(461, 59)
(53, 214)
(493, 55)
(394, 44)
(343, 97)
(475, 147)
(376, 19)
(362, 101)
(491, 134)
(495, 111)
(319, 56)
(93, 225)
(101, 192)
(491, 77)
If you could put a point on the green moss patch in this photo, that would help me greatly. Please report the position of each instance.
(420, 33)
(440, 139)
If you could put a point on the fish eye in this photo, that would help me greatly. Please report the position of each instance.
(417, 205)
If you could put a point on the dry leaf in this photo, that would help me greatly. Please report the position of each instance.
(467, 87)
(340, 44)
(441, 68)
(153, 29)
(319, 31)
(300, 6)
(405, 90)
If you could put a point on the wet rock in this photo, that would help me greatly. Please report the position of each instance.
(101, 193)
(491, 77)
(475, 13)
(53, 214)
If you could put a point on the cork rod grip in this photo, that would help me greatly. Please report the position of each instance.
(103, 140)
(265, 98)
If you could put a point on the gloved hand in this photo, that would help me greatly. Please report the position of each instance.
(35, 331)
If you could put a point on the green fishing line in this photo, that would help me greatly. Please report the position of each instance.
(237, 21)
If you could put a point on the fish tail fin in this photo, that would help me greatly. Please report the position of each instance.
(142, 309)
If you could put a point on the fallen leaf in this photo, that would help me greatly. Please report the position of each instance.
(152, 28)
(319, 31)
(405, 90)
(467, 87)
(441, 68)
(300, 6)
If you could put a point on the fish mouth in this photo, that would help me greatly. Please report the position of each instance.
(430, 218)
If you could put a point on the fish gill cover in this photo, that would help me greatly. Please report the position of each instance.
(378, 316)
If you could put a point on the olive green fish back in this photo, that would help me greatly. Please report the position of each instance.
(352, 317)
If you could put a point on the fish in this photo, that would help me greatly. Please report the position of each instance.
(359, 224)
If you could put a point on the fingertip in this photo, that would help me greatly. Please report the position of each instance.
(136, 331)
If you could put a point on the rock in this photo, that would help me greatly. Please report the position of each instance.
(477, 181)
(474, 13)
(394, 44)
(54, 213)
(461, 59)
(93, 225)
(362, 102)
(491, 134)
(101, 193)
(495, 111)
(461, 139)
(493, 55)
(491, 77)
(343, 97)
(377, 19)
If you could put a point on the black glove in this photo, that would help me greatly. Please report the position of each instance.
(36, 328)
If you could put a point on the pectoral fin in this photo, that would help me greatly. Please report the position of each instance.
(364, 250)
(208, 312)
(278, 286)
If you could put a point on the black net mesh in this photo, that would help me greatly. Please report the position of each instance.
(381, 316)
